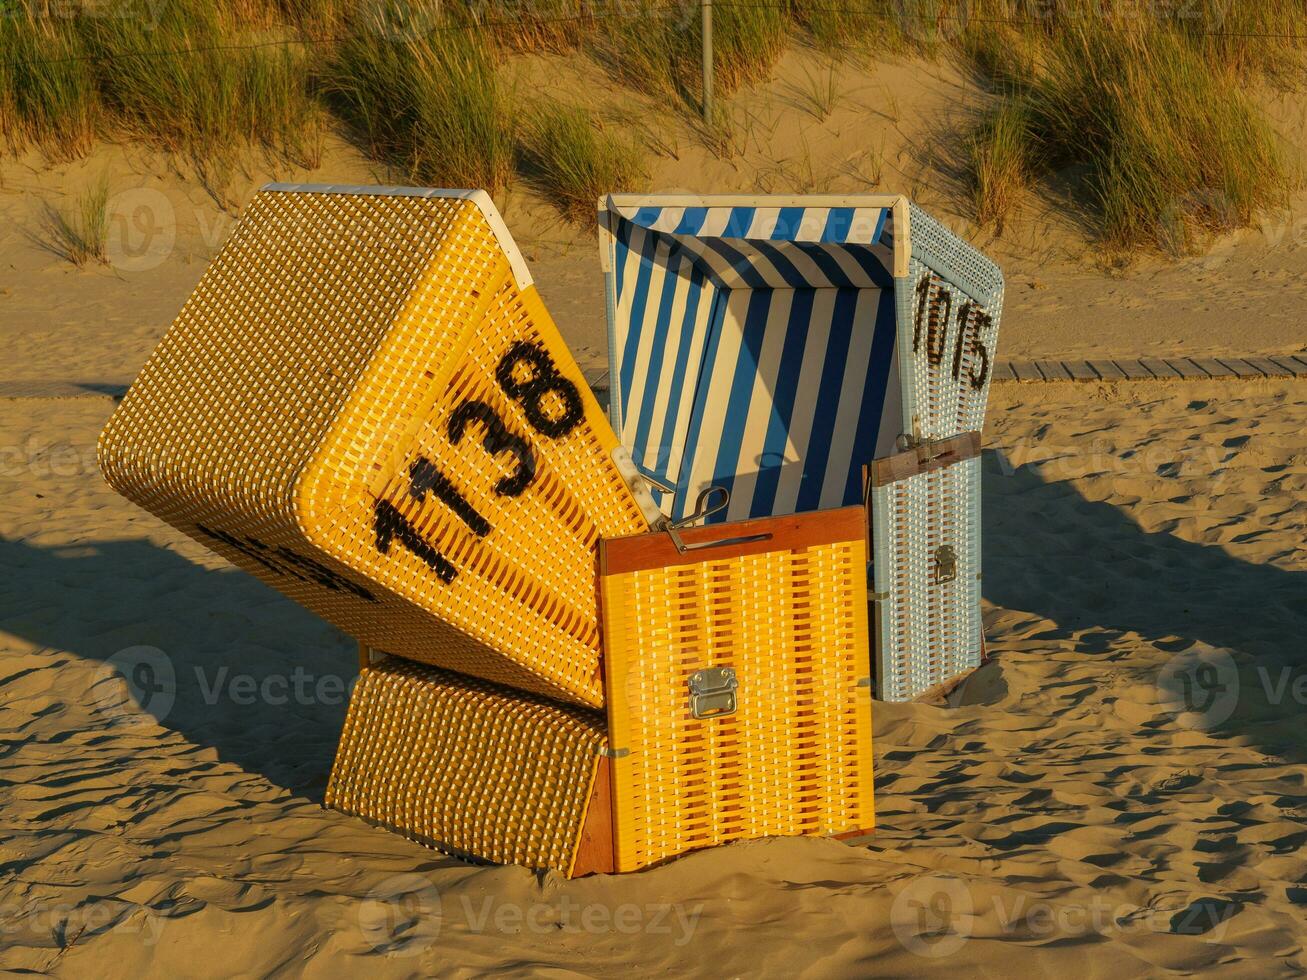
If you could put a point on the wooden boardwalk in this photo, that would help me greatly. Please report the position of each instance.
(1120, 369)
(1117, 369)
(1147, 369)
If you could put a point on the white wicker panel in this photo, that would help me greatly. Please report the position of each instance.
(948, 310)
(929, 631)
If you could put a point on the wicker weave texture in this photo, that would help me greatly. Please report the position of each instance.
(467, 766)
(930, 630)
(796, 757)
(360, 406)
(948, 311)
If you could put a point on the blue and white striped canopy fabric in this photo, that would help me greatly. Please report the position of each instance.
(780, 248)
(754, 349)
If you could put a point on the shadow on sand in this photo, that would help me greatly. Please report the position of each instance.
(1092, 570)
(257, 677)
(233, 641)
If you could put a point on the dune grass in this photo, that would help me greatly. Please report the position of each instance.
(748, 38)
(573, 160)
(817, 93)
(79, 233)
(1137, 111)
(435, 105)
(47, 98)
(541, 26)
(654, 46)
(1160, 140)
(1247, 36)
(868, 27)
(645, 49)
(201, 93)
(179, 78)
(1001, 158)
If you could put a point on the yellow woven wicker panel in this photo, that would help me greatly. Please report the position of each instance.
(467, 766)
(364, 404)
(789, 616)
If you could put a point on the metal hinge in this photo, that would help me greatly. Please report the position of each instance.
(712, 692)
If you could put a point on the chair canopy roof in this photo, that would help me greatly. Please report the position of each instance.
(777, 247)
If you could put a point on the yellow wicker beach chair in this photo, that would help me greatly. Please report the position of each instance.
(366, 405)
(738, 681)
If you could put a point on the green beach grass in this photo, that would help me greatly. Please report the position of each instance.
(1145, 106)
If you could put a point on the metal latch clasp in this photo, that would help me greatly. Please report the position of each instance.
(712, 692)
(946, 564)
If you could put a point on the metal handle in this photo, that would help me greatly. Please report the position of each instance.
(713, 692)
(703, 507)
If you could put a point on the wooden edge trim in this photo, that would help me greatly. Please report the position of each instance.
(866, 506)
(902, 237)
(595, 853)
(370, 656)
(785, 533)
(852, 834)
(605, 237)
(943, 689)
(924, 458)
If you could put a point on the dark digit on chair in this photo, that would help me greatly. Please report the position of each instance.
(923, 295)
(423, 477)
(497, 440)
(937, 326)
(530, 393)
(390, 525)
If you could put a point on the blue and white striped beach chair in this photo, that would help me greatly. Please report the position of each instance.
(774, 347)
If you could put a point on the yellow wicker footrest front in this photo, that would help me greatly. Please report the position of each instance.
(466, 766)
(738, 687)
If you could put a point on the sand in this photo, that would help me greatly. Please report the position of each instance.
(1062, 812)
(1120, 791)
